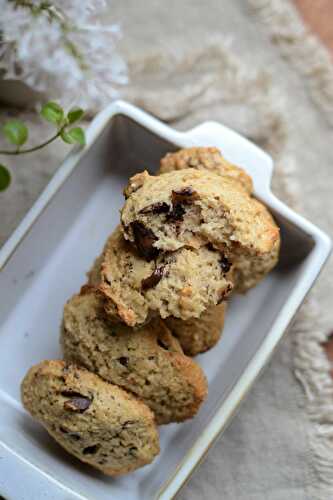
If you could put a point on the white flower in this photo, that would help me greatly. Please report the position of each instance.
(77, 64)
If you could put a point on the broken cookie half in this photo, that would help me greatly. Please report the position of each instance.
(182, 284)
(146, 361)
(190, 209)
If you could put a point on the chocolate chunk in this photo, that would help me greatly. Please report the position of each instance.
(123, 361)
(77, 402)
(156, 208)
(73, 435)
(162, 344)
(179, 199)
(133, 451)
(128, 423)
(68, 393)
(177, 213)
(153, 279)
(144, 239)
(91, 450)
(225, 264)
(186, 196)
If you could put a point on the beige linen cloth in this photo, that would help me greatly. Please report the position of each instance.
(253, 66)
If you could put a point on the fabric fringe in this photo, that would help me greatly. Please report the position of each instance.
(301, 48)
(313, 371)
(311, 367)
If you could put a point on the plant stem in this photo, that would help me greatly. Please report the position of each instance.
(35, 148)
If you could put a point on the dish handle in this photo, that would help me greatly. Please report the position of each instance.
(237, 149)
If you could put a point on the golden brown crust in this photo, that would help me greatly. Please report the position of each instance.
(247, 274)
(201, 158)
(198, 335)
(196, 378)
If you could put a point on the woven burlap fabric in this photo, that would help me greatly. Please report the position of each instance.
(251, 66)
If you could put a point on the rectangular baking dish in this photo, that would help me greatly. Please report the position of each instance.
(45, 261)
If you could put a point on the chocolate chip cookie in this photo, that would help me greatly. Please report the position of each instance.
(180, 284)
(191, 208)
(146, 361)
(93, 420)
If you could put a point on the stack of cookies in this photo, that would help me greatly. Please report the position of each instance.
(155, 297)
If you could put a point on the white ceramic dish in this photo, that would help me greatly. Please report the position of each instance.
(45, 261)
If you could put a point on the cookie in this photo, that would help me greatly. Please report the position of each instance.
(193, 208)
(247, 274)
(190, 208)
(181, 283)
(147, 361)
(93, 420)
(205, 159)
(198, 335)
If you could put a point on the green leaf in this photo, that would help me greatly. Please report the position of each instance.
(16, 132)
(53, 113)
(74, 115)
(5, 178)
(73, 136)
